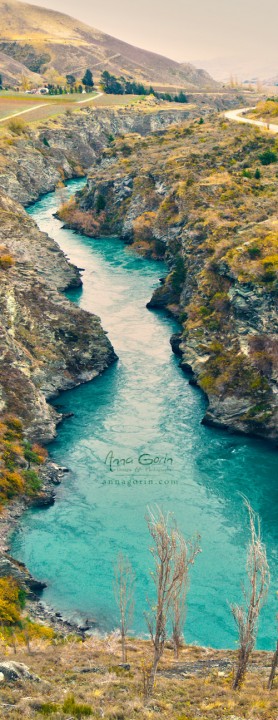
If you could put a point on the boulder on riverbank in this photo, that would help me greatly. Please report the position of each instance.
(13, 671)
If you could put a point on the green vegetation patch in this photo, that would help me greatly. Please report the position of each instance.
(19, 462)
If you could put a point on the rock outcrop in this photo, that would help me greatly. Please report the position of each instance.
(33, 162)
(47, 344)
(11, 568)
(14, 671)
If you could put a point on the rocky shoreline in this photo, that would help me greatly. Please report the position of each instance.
(52, 476)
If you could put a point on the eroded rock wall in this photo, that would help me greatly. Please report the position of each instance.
(47, 344)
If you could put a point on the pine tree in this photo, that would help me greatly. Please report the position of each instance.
(111, 85)
(88, 80)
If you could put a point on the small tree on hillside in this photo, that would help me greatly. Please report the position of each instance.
(12, 601)
(191, 549)
(247, 615)
(88, 80)
(274, 666)
(1, 82)
(169, 553)
(181, 97)
(25, 82)
(124, 595)
(71, 80)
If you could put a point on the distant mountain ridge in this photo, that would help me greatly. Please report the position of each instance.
(40, 39)
(242, 67)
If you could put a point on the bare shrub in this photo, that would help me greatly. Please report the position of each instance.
(247, 615)
(124, 595)
(17, 127)
(191, 548)
(83, 221)
(169, 552)
(274, 666)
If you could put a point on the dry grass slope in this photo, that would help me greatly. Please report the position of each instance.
(73, 46)
(81, 679)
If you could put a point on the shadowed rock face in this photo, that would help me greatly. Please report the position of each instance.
(47, 344)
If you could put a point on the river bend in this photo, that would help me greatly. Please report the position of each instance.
(143, 412)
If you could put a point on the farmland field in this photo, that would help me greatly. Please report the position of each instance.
(116, 100)
(13, 103)
(33, 108)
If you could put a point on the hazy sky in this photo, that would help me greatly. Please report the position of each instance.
(186, 29)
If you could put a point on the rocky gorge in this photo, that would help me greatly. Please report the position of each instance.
(203, 196)
(47, 343)
(39, 325)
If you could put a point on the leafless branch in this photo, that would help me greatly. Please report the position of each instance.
(170, 554)
(190, 550)
(124, 596)
(247, 615)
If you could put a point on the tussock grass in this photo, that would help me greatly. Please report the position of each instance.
(193, 687)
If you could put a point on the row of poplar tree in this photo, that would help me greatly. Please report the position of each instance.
(173, 556)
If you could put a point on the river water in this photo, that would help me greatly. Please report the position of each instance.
(143, 412)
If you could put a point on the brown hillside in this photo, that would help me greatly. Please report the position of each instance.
(72, 46)
(12, 70)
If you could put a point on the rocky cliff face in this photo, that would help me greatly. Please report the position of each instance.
(203, 197)
(33, 162)
(47, 344)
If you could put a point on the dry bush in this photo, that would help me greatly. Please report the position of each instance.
(247, 615)
(170, 554)
(84, 222)
(6, 261)
(17, 127)
(124, 595)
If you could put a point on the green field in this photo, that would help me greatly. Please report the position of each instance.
(15, 103)
(32, 108)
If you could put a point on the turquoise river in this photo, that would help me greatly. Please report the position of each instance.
(143, 410)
